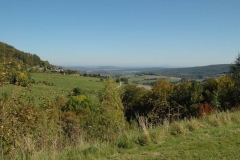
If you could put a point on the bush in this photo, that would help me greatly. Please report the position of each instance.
(143, 140)
(125, 141)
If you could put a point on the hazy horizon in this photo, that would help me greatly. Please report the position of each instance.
(124, 33)
(164, 66)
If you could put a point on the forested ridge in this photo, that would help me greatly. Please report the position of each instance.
(10, 54)
(16, 65)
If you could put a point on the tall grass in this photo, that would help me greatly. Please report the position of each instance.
(143, 140)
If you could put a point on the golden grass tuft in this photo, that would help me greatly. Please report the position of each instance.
(178, 128)
(193, 124)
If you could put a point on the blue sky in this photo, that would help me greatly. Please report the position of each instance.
(124, 32)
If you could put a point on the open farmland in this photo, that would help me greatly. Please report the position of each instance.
(68, 82)
(52, 85)
(148, 79)
(63, 84)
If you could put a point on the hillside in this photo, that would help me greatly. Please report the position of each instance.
(10, 54)
(193, 72)
(61, 116)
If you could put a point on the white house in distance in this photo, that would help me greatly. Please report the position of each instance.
(57, 69)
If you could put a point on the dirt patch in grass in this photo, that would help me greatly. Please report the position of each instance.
(144, 86)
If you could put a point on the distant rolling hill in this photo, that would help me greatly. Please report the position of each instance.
(192, 72)
(189, 72)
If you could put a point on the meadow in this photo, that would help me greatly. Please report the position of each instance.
(67, 82)
(52, 85)
(211, 137)
(144, 79)
(59, 83)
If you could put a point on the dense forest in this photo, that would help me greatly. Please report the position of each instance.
(80, 117)
(10, 54)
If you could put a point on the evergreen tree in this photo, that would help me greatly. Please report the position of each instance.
(235, 75)
(235, 69)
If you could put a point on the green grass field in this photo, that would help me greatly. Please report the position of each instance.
(213, 137)
(62, 85)
(66, 82)
(148, 78)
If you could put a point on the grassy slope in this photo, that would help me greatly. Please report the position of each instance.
(69, 81)
(62, 84)
(211, 143)
(213, 137)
